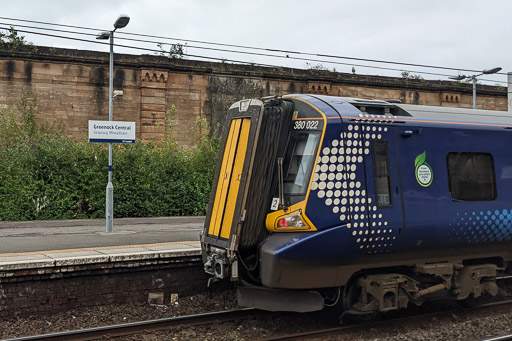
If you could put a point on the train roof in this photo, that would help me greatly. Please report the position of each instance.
(459, 114)
(420, 112)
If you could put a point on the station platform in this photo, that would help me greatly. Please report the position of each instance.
(54, 266)
(58, 243)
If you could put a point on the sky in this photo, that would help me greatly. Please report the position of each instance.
(461, 35)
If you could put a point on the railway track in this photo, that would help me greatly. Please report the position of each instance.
(233, 315)
(130, 329)
(134, 328)
(338, 331)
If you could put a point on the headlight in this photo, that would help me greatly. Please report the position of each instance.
(292, 221)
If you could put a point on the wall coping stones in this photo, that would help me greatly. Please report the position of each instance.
(164, 64)
(26, 262)
(45, 260)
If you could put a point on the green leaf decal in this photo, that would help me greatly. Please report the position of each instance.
(420, 159)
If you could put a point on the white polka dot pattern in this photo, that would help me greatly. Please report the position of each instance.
(339, 182)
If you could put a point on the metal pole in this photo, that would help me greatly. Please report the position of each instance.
(109, 206)
(474, 92)
(509, 91)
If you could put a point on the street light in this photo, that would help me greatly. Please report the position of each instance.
(121, 22)
(473, 77)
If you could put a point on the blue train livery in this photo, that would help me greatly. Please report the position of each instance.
(373, 205)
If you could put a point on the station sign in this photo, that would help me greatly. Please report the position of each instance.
(111, 132)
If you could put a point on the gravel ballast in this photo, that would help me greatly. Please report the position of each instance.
(463, 325)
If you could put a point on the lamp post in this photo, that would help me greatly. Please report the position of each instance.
(121, 22)
(473, 77)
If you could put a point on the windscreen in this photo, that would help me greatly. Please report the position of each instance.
(299, 164)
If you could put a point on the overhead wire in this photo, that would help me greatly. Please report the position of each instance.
(287, 52)
(52, 24)
(139, 48)
(207, 48)
(260, 48)
(254, 47)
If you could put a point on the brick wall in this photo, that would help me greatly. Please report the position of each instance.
(50, 290)
(72, 87)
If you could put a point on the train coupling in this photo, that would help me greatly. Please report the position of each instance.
(216, 263)
(219, 265)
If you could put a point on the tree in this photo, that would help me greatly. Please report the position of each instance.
(408, 75)
(176, 51)
(15, 41)
(318, 66)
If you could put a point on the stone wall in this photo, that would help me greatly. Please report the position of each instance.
(72, 87)
(35, 290)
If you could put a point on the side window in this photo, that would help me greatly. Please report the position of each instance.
(471, 176)
(381, 173)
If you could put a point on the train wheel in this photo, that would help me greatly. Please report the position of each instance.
(351, 301)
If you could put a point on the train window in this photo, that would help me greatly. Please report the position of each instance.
(471, 176)
(381, 173)
(299, 162)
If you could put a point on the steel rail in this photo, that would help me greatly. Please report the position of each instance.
(499, 338)
(142, 326)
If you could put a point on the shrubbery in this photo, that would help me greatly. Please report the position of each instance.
(46, 175)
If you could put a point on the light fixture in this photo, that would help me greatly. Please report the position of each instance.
(473, 77)
(103, 35)
(122, 21)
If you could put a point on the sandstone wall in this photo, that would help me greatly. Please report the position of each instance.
(72, 86)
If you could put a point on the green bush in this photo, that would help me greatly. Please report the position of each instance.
(46, 175)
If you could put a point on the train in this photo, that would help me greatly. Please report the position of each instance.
(367, 204)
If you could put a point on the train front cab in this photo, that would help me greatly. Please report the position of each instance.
(315, 182)
(260, 140)
(253, 140)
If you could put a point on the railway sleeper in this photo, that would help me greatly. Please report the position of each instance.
(374, 293)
